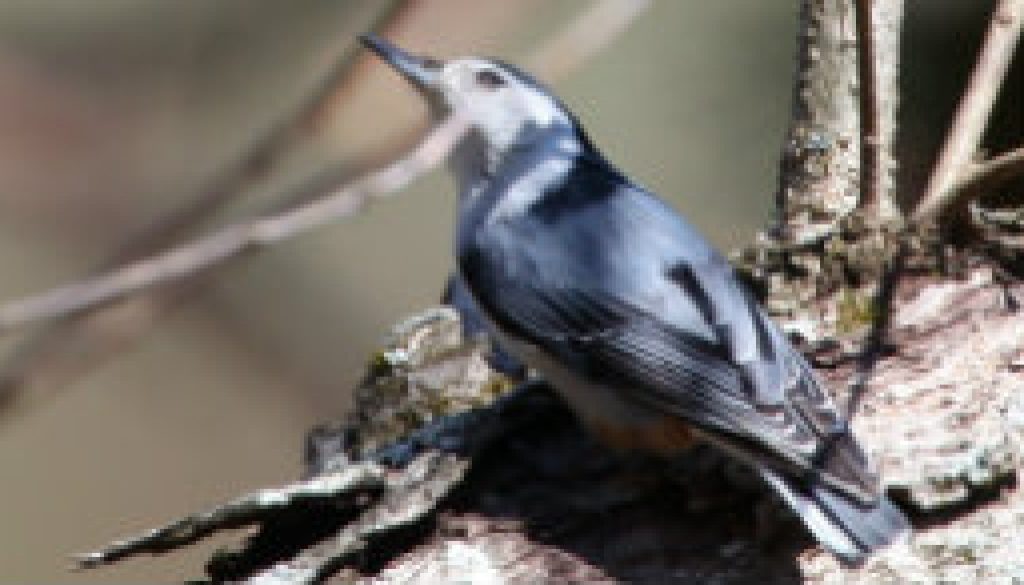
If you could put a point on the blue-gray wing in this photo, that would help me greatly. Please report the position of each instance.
(474, 324)
(633, 298)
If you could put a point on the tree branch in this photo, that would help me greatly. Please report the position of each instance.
(974, 110)
(587, 35)
(584, 37)
(169, 278)
(205, 253)
(838, 152)
(75, 342)
(870, 147)
(977, 177)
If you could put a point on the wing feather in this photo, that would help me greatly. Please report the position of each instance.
(662, 318)
(673, 371)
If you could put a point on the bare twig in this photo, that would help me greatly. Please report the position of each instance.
(820, 164)
(870, 127)
(82, 335)
(974, 110)
(584, 37)
(591, 32)
(263, 154)
(64, 347)
(228, 243)
(979, 176)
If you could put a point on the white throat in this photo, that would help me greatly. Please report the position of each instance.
(517, 176)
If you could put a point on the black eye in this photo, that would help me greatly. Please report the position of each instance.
(489, 78)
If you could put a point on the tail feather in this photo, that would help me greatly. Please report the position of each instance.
(847, 528)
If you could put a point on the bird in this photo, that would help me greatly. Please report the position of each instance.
(638, 323)
(474, 326)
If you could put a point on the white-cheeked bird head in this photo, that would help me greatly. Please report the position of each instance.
(505, 108)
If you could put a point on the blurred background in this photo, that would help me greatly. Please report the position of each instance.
(116, 113)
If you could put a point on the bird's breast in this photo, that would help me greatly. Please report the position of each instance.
(606, 411)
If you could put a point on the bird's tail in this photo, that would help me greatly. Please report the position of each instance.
(848, 528)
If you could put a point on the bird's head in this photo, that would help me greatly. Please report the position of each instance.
(505, 108)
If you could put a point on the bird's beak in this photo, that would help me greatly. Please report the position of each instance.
(423, 73)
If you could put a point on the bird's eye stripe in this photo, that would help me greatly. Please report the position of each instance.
(489, 78)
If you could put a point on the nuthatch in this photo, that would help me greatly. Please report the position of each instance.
(630, 314)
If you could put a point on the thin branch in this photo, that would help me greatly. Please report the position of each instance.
(584, 37)
(204, 253)
(977, 177)
(263, 154)
(64, 347)
(589, 33)
(871, 152)
(820, 163)
(975, 108)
